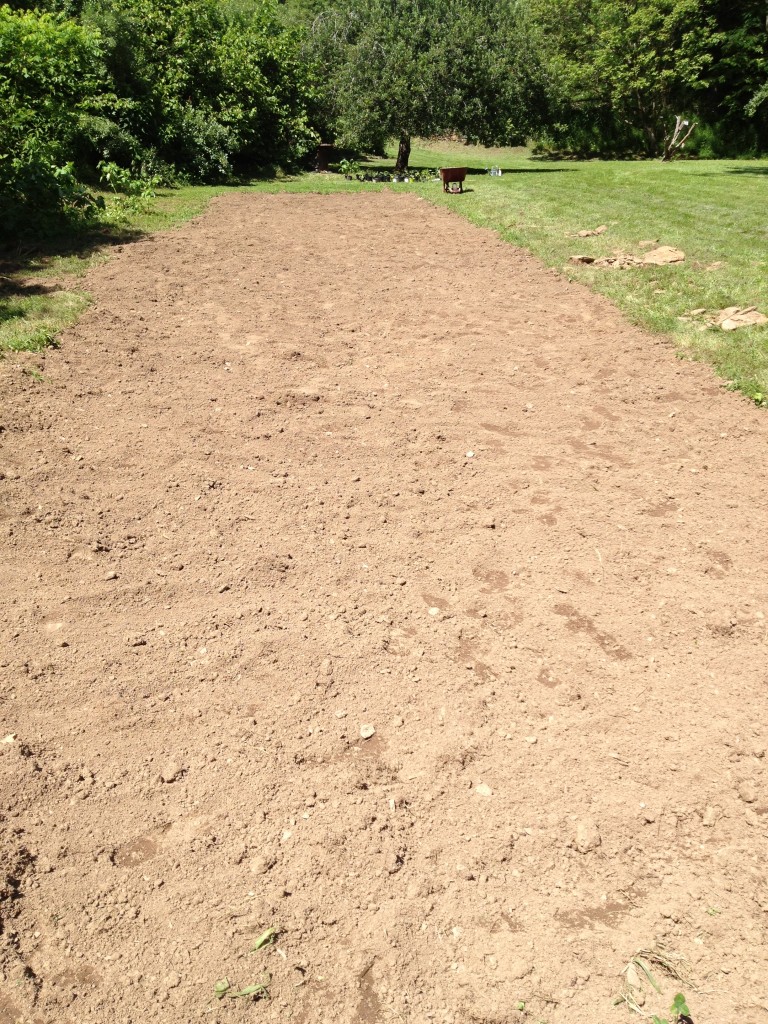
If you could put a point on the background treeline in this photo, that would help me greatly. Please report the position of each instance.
(136, 93)
(590, 77)
(619, 70)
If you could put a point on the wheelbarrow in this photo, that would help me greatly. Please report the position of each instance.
(451, 175)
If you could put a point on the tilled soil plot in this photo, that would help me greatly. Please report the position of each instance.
(312, 467)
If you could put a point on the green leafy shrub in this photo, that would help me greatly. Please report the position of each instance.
(201, 145)
(349, 168)
(39, 195)
(206, 90)
(98, 137)
(49, 69)
(268, 97)
(144, 92)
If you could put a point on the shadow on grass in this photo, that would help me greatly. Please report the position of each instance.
(33, 311)
(11, 288)
(40, 292)
(762, 171)
(389, 167)
(31, 254)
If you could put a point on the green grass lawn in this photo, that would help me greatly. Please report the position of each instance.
(715, 211)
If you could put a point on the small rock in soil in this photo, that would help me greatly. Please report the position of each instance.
(517, 969)
(366, 731)
(664, 255)
(748, 792)
(633, 978)
(710, 816)
(261, 863)
(587, 837)
(171, 772)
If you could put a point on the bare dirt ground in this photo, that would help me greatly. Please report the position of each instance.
(315, 464)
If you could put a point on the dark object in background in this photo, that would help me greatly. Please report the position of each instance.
(323, 156)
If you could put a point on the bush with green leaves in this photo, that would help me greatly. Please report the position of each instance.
(50, 69)
(268, 100)
(38, 195)
(206, 87)
(174, 90)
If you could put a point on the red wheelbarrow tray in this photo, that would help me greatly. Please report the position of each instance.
(452, 174)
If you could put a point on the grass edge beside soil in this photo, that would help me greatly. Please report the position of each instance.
(522, 209)
(38, 299)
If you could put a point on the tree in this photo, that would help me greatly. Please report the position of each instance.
(399, 68)
(732, 103)
(621, 70)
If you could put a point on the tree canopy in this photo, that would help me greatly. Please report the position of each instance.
(398, 68)
(619, 70)
(202, 90)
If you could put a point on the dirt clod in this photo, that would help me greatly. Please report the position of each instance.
(261, 863)
(663, 255)
(734, 317)
(587, 836)
(748, 792)
(171, 772)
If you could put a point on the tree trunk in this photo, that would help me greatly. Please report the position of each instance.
(673, 141)
(403, 154)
